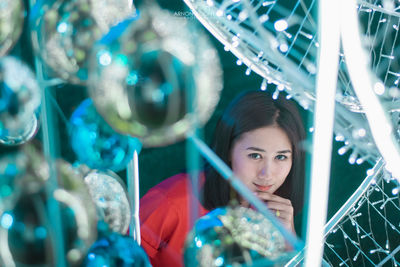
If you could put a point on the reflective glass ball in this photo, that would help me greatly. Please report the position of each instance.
(27, 224)
(95, 143)
(66, 32)
(19, 102)
(111, 199)
(234, 236)
(142, 78)
(11, 21)
(116, 250)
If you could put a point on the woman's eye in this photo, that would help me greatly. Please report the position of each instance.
(281, 157)
(255, 156)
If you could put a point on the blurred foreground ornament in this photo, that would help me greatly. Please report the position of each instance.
(12, 166)
(234, 236)
(64, 33)
(108, 13)
(116, 250)
(141, 79)
(27, 236)
(19, 102)
(95, 143)
(111, 198)
(11, 23)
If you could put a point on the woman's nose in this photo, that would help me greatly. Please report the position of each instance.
(265, 171)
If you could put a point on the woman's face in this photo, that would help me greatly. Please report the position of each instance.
(262, 158)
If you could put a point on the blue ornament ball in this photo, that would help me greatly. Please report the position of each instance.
(116, 250)
(96, 144)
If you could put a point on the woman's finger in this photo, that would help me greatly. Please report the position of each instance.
(280, 206)
(271, 197)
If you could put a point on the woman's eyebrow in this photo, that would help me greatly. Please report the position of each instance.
(255, 149)
(286, 151)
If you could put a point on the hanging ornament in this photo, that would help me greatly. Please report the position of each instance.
(11, 24)
(27, 235)
(142, 77)
(95, 143)
(65, 32)
(235, 236)
(111, 198)
(19, 102)
(115, 250)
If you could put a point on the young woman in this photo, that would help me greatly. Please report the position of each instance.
(260, 139)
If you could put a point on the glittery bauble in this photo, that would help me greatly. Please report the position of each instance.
(19, 102)
(108, 13)
(111, 198)
(11, 23)
(27, 236)
(95, 143)
(66, 33)
(116, 250)
(141, 79)
(234, 236)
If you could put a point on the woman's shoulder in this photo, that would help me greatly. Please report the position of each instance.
(173, 188)
(178, 181)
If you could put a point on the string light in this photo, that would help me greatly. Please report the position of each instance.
(379, 87)
(339, 137)
(359, 133)
(263, 18)
(353, 156)
(343, 149)
(267, 3)
(370, 172)
(264, 85)
(362, 159)
(280, 25)
(361, 241)
(395, 191)
(356, 256)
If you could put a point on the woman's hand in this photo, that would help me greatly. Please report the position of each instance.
(281, 207)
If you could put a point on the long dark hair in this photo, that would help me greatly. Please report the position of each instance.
(249, 111)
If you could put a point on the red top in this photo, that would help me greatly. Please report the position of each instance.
(164, 219)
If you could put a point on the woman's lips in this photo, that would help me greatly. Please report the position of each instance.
(263, 188)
